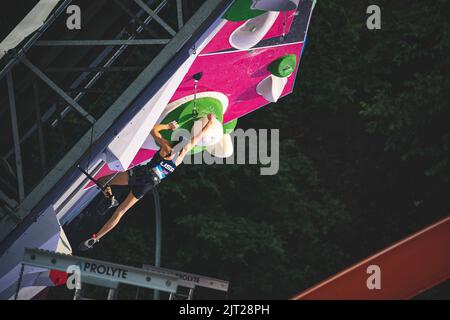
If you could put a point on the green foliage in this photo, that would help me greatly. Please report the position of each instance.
(411, 109)
(241, 10)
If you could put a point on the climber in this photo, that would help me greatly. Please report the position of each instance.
(143, 178)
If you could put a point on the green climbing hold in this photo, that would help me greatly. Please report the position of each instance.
(183, 115)
(230, 126)
(241, 10)
(284, 66)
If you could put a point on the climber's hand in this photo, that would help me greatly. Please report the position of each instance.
(173, 125)
(107, 192)
(211, 117)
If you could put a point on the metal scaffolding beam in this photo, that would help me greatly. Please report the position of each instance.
(16, 139)
(180, 13)
(10, 202)
(59, 91)
(8, 185)
(106, 67)
(39, 127)
(93, 69)
(67, 43)
(16, 59)
(131, 14)
(156, 17)
(101, 273)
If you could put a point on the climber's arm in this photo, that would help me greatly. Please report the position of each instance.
(159, 139)
(194, 140)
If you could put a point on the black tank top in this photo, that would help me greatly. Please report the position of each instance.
(161, 167)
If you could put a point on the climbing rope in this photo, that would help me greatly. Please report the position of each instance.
(85, 171)
(19, 282)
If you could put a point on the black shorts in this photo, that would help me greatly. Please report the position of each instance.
(141, 179)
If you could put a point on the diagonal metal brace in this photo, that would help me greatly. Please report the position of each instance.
(155, 17)
(58, 90)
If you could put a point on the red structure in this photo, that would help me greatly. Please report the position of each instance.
(406, 269)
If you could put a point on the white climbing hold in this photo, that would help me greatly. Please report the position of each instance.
(223, 148)
(211, 136)
(271, 88)
(253, 31)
